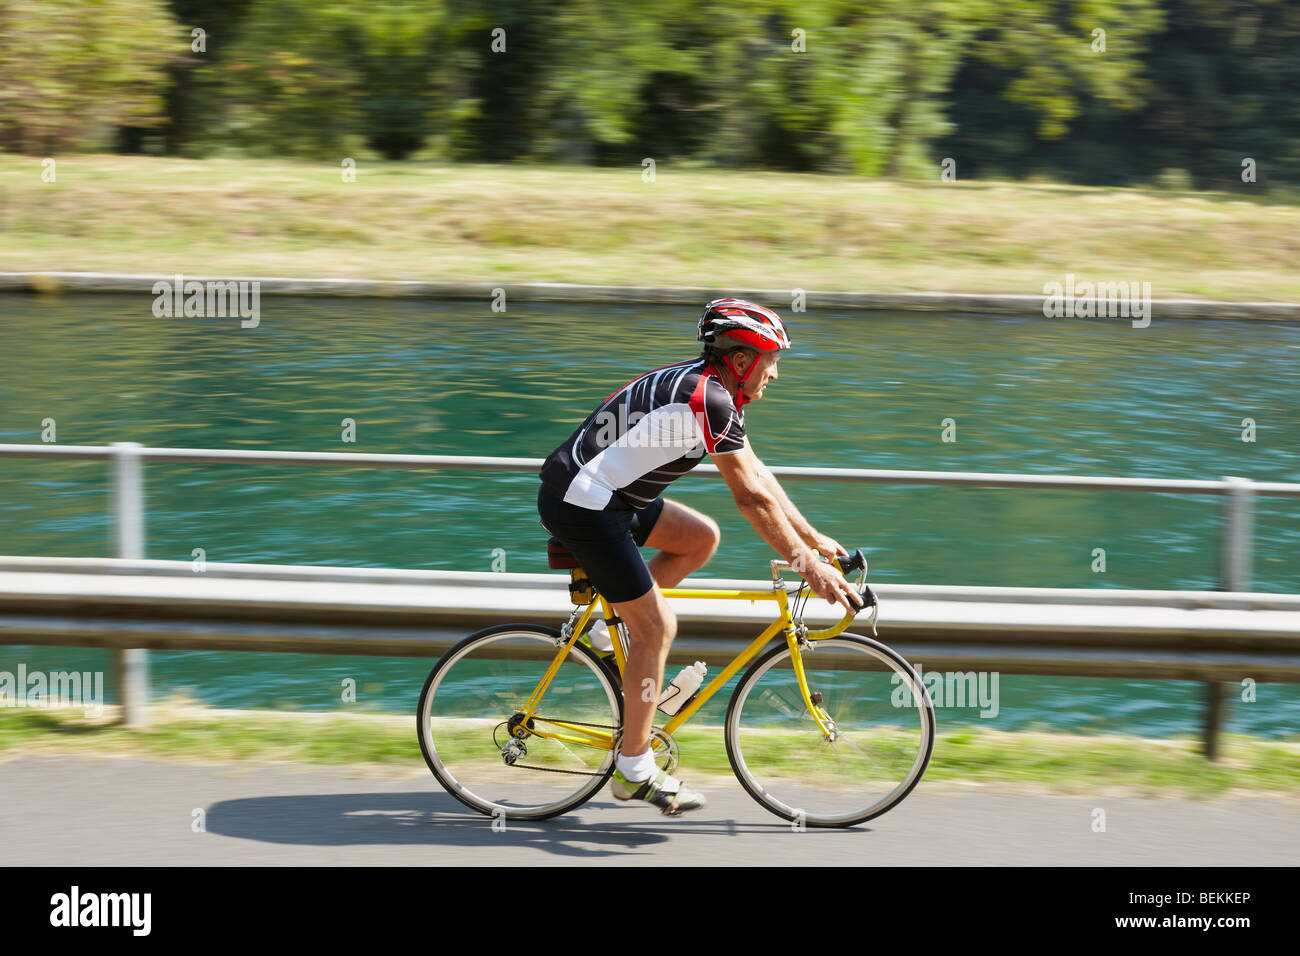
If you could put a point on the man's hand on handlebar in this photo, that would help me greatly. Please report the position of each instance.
(827, 546)
(825, 581)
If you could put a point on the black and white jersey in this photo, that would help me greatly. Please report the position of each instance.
(650, 432)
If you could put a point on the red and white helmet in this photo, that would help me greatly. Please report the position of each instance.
(744, 321)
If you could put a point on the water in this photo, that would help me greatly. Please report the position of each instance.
(863, 389)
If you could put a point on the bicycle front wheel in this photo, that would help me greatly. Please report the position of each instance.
(883, 723)
(470, 708)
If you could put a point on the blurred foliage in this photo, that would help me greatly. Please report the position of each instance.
(71, 70)
(1110, 91)
(1217, 85)
(190, 106)
(293, 77)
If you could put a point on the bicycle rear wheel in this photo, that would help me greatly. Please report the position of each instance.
(464, 722)
(883, 723)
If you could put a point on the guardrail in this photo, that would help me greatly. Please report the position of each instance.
(167, 605)
(127, 458)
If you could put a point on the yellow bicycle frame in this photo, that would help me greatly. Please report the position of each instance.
(783, 624)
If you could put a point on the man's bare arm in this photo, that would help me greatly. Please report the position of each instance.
(807, 533)
(754, 497)
(764, 511)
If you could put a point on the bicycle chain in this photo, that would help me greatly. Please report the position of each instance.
(576, 773)
(528, 766)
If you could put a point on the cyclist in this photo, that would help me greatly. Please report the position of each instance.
(600, 496)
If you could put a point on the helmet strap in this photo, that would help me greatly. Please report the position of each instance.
(741, 398)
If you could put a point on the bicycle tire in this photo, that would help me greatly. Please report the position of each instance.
(783, 760)
(471, 694)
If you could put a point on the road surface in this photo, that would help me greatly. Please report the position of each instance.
(103, 811)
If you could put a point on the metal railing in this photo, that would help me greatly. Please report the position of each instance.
(126, 460)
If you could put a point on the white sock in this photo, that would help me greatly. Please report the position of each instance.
(599, 637)
(639, 768)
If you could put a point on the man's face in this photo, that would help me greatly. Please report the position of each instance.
(764, 373)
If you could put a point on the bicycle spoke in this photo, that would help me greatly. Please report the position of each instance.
(879, 750)
(482, 683)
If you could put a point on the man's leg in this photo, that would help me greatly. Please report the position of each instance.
(686, 539)
(651, 626)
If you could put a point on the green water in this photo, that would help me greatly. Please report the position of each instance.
(860, 390)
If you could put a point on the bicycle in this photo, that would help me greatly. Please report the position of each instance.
(825, 729)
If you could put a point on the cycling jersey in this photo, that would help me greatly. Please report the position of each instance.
(647, 434)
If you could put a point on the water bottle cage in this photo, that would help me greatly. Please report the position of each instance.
(670, 695)
(580, 588)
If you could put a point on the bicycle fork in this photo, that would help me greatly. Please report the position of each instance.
(796, 639)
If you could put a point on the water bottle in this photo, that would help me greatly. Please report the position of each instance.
(600, 637)
(682, 688)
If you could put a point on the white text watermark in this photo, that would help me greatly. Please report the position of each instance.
(1102, 300)
(84, 689)
(951, 689)
(132, 910)
(209, 299)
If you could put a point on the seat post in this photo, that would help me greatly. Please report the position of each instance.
(560, 557)
(581, 590)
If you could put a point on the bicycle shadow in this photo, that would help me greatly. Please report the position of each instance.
(437, 820)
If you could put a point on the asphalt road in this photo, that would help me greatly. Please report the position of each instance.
(87, 811)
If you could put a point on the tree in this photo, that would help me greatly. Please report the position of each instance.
(69, 68)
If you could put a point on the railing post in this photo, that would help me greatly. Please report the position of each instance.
(1235, 553)
(132, 664)
(1238, 534)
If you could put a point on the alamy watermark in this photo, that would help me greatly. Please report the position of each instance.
(1103, 300)
(127, 910)
(209, 299)
(951, 689)
(670, 427)
(84, 689)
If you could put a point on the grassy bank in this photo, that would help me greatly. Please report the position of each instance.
(962, 757)
(688, 228)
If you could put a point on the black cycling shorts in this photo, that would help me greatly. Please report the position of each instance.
(606, 543)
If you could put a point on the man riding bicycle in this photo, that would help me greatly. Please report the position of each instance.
(600, 496)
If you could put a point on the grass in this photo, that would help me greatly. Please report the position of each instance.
(1058, 763)
(704, 228)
